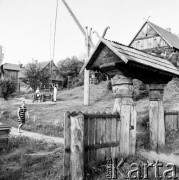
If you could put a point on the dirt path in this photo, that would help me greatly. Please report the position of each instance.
(151, 155)
(37, 136)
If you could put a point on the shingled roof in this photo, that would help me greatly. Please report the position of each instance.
(43, 64)
(128, 54)
(9, 66)
(170, 38)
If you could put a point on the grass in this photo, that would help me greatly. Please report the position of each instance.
(31, 159)
(98, 170)
(48, 119)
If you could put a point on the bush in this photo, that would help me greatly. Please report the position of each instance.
(70, 67)
(109, 86)
(8, 87)
(140, 90)
(78, 81)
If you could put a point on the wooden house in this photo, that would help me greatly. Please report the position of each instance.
(45, 67)
(11, 72)
(158, 41)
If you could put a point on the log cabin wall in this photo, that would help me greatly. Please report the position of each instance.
(12, 75)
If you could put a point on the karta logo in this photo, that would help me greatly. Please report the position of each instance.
(116, 169)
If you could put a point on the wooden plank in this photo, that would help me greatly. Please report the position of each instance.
(77, 147)
(86, 140)
(166, 122)
(133, 130)
(108, 137)
(99, 115)
(92, 138)
(171, 112)
(113, 136)
(67, 143)
(103, 140)
(175, 123)
(161, 124)
(94, 142)
(125, 126)
(178, 121)
(98, 137)
(153, 120)
(89, 139)
(102, 145)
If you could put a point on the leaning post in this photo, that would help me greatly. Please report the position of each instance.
(77, 146)
(156, 116)
(87, 72)
(124, 105)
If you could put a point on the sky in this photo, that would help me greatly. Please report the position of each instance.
(27, 26)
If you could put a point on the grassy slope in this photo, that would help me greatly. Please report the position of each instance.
(48, 118)
(46, 115)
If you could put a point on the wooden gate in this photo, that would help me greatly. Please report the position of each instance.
(89, 137)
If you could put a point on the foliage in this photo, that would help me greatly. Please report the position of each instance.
(34, 77)
(168, 54)
(69, 67)
(78, 81)
(140, 90)
(101, 77)
(8, 87)
(109, 86)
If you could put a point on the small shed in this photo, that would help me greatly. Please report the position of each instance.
(11, 71)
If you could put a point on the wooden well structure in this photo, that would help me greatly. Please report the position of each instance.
(122, 64)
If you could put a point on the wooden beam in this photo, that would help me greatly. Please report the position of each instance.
(67, 142)
(103, 145)
(147, 37)
(77, 147)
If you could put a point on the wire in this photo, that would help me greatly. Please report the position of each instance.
(55, 30)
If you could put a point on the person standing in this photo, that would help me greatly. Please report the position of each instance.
(37, 95)
(21, 113)
(54, 93)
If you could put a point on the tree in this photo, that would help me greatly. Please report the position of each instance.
(34, 76)
(7, 87)
(69, 67)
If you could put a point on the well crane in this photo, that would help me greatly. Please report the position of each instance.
(89, 45)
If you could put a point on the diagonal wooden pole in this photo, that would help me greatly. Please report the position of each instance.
(86, 72)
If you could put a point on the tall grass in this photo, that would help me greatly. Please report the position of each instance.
(31, 159)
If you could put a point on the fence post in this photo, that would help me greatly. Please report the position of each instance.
(124, 105)
(77, 146)
(156, 116)
(67, 142)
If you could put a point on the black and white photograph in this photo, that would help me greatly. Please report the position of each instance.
(89, 89)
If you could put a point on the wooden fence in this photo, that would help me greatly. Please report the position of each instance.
(171, 120)
(89, 137)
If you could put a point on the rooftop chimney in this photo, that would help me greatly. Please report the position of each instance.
(168, 29)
